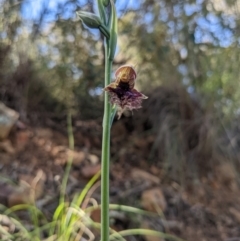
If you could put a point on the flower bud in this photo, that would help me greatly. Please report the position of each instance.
(90, 19)
(93, 21)
(105, 2)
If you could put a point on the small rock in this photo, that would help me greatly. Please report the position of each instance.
(93, 159)
(226, 174)
(45, 133)
(235, 213)
(96, 215)
(7, 147)
(8, 118)
(30, 189)
(90, 171)
(144, 176)
(21, 140)
(155, 170)
(58, 149)
(6, 190)
(140, 143)
(62, 155)
(5, 159)
(153, 200)
(78, 157)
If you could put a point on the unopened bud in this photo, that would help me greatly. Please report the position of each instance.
(93, 21)
(90, 19)
(105, 2)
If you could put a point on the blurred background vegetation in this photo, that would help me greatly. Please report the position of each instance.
(186, 54)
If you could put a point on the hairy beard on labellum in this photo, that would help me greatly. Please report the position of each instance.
(122, 92)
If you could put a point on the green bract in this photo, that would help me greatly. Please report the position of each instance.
(93, 21)
(90, 19)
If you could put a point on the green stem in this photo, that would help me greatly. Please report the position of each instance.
(106, 153)
(70, 158)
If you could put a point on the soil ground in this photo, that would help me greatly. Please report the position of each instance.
(208, 209)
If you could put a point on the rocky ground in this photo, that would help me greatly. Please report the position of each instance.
(33, 160)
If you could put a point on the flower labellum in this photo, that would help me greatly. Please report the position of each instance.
(122, 92)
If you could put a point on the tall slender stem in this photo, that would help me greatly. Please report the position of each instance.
(106, 153)
(70, 158)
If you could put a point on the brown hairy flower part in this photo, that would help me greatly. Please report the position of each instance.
(122, 92)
